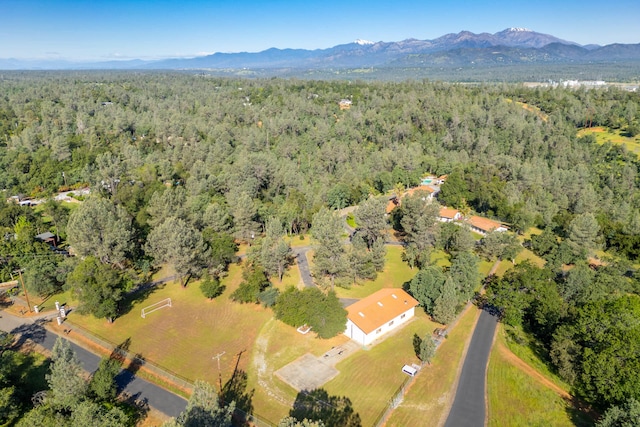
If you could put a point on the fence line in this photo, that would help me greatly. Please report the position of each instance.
(162, 372)
(398, 396)
(394, 401)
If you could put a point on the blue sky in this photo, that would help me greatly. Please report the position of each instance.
(117, 29)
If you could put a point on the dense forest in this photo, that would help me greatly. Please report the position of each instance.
(183, 167)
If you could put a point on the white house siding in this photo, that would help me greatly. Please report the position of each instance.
(355, 333)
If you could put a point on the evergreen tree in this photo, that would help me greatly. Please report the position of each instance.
(98, 288)
(102, 385)
(444, 307)
(426, 286)
(204, 409)
(329, 258)
(427, 349)
(177, 243)
(211, 286)
(67, 387)
(101, 229)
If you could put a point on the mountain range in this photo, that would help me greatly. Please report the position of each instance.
(464, 49)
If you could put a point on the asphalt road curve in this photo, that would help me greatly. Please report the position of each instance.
(157, 397)
(469, 406)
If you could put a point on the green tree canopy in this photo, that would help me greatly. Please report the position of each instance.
(323, 312)
(98, 288)
(427, 285)
(177, 243)
(329, 259)
(101, 229)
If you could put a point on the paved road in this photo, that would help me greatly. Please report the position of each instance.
(469, 407)
(303, 265)
(157, 397)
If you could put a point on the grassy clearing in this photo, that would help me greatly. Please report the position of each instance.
(511, 390)
(530, 351)
(193, 329)
(395, 273)
(291, 278)
(440, 258)
(276, 346)
(351, 221)
(613, 136)
(532, 231)
(428, 397)
(503, 267)
(298, 240)
(526, 254)
(369, 378)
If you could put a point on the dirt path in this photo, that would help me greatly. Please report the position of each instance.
(510, 357)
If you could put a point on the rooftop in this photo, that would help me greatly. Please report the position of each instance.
(484, 224)
(448, 212)
(379, 308)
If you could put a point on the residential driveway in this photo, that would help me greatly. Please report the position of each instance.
(157, 397)
(303, 265)
(469, 406)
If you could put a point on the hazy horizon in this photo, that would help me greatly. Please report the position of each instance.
(74, 30)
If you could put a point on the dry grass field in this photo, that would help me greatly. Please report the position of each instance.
(429, 398)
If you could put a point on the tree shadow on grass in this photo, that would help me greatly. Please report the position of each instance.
(581, 414)
(235, 390)
(136, 296)
(318, 405)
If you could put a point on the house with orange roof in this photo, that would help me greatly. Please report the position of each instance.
(381, 312)
(484, 225)
(449, 214)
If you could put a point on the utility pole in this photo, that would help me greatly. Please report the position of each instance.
(24, 289)
(218, 356)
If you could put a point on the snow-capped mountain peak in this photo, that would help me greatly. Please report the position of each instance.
(363, 42)
(519, 30)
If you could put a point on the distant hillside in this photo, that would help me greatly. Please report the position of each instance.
(464, 49)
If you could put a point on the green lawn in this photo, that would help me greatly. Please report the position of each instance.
(613, 136)
(529, 350)
(440, 258)
(395, 273)
(351, 221)
(515, 398)
(298, 240)
(370, 377)
(526, 254)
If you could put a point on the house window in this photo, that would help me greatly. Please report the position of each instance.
(402, 317)
(379, 330)
(391, 323)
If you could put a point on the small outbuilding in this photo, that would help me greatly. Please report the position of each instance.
(47, 237)
(379, 313)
